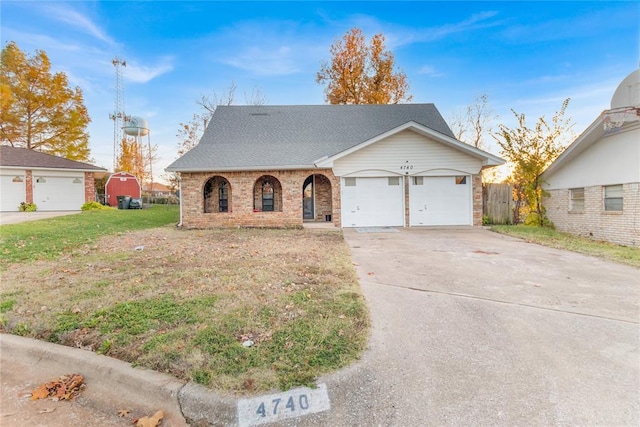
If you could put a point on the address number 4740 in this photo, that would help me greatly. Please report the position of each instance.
(277, 404)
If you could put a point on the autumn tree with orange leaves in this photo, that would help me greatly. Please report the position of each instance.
(135, 158)
(361, 74)
(39, 110)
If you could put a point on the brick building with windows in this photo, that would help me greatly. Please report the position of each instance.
(594, 185)
(349, 165)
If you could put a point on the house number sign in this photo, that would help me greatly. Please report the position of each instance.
(281, 406)
(406, 167)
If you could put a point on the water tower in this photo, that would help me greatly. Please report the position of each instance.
(138, 128)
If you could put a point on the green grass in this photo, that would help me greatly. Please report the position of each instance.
(186, 303)
(50, 238)
(556, 239)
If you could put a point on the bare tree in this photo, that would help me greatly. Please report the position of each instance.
(256, 97)
(209, 103)
(475, 123)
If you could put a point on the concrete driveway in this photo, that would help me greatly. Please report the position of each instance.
(18, 217)
(475, 328)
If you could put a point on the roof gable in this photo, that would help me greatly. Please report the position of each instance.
(295, 136)
(592, 135)
(25, 158)
(486, 158)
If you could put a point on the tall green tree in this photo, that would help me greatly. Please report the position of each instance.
(531, 151)
(362, 74)
(39, 110)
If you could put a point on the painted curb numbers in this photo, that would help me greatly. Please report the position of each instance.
(281, 406)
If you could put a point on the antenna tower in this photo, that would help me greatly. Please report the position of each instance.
(118, 116)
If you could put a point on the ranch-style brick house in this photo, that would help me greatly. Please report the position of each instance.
(593, 187)
(350, 165)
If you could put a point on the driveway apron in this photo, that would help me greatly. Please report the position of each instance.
(475, 328)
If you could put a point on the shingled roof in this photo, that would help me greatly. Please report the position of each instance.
(25, 158)
(294, 136)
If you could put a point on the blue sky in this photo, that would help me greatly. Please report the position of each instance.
(528, 56)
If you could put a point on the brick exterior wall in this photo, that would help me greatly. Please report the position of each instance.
(89, 187)
(407, 209)
(245, 200)
(28, 185)
(477, 199)
(594, 222)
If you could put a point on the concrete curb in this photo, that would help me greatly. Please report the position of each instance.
(113, 384)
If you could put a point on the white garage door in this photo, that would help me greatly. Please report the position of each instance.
(372, 202)
(12, 192)
(440, 200)
(55, 193)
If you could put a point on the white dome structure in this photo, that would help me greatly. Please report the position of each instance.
(136, 126)
(628, 92)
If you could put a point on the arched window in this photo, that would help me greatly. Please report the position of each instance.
(223, 197)
(267, 195)
(217, 195)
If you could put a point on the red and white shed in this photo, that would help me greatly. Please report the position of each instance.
(121, 184)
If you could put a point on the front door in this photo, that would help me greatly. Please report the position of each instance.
(307, 199)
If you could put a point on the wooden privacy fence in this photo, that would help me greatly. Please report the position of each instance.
(497, 203)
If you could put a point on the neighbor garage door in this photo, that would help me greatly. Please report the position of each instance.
(372, 202)
(440, 200)
(57, 193)
(12, 191)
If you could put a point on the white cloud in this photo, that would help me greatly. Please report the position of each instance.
(278, 61)
(80, 21)
(142, 74)
(267, 47)
(430, 70)
(38, 41)
(403, 36)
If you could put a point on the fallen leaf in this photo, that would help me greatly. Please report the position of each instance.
(123, 412)
(150, 422)
(371, 273)
(46, 410)
(64, 388)
(41, 392)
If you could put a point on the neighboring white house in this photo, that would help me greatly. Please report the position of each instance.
(594, 185)
(52, 183)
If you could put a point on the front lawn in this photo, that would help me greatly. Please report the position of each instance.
(235, 310)
(51, 238)
(556, 239)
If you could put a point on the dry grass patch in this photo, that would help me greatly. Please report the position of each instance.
(184, 302)
(556, 239)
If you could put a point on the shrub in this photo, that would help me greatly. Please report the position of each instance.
(92, 206)
(27, 207)
(534, 219)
